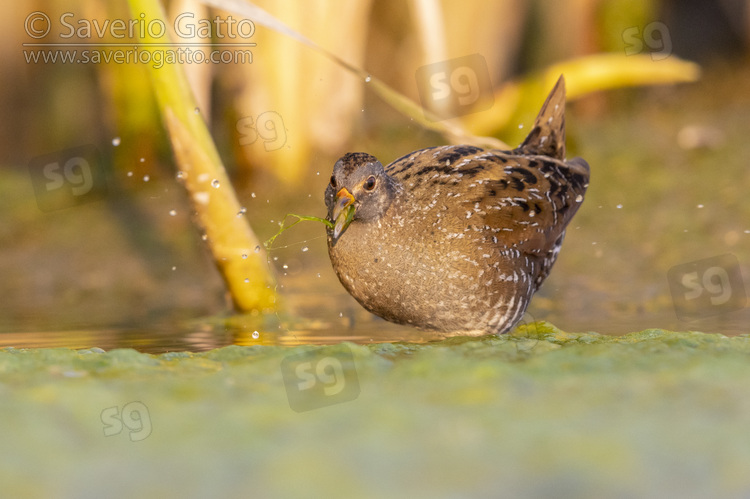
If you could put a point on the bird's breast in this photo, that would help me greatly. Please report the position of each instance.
(422, 268)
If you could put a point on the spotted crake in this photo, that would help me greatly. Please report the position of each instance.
(455, 238)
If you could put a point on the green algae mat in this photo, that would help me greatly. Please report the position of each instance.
(538, 413)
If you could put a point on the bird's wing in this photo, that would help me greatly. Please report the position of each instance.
(527, 200)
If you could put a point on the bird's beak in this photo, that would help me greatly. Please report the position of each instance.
(343, 212)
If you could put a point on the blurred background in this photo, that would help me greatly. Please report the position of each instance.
(669, 161)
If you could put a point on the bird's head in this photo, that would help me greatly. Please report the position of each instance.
(359, 190)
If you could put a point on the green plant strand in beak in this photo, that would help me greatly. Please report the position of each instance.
(343, 212)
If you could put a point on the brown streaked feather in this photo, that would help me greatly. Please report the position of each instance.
(524, 202)
(505, 188)
(547, 138)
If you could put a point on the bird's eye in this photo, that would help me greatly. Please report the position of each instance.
(333, 181)
(370, 183)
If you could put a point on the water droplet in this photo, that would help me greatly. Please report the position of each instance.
(252, 195)
(204, 237)
(247, 280)
(244, 256)
(319, 273)
(180, 175)
(276, 258)
(368, 79)
(619, 206)
(257, 249)
(197, 110)
(116, 141)
(341, 314)
(579, 198)
(256, 334)
(174, 268)
(172, 213)
(142, 160)
(305, 248)
(520, 126)
(242, 211)
(215, 183)
(130, 174)
(146, 178)
(700, 206)
(285, 266)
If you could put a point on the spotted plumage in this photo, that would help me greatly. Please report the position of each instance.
(455, 238)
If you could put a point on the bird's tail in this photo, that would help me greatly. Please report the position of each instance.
(547, 138)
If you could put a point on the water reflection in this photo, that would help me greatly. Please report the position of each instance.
(311, 323)
(183, 338)
(316, 325)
